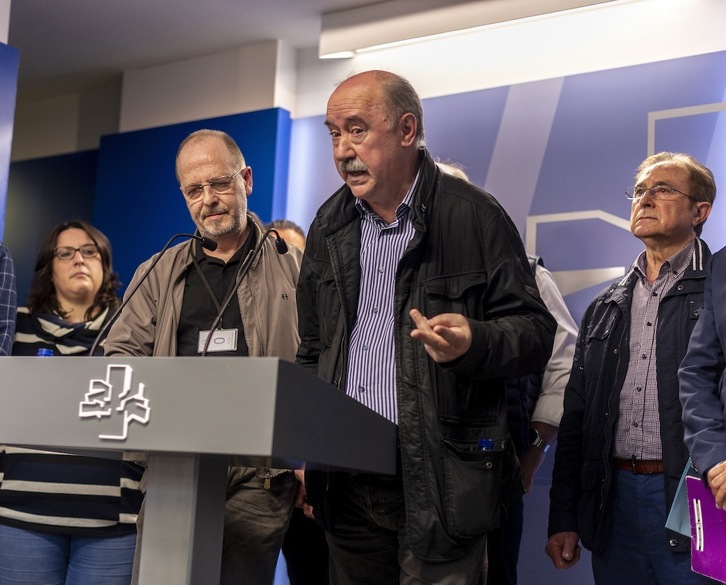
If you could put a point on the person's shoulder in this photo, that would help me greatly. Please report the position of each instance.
(5, 256)
(720, 256)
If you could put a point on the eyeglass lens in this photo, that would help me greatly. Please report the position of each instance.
(219, 185)
(68, 252)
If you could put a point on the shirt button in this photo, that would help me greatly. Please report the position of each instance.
(361, 390)
(635, 423)
(645, 356)
(380, 271)
(639, 388)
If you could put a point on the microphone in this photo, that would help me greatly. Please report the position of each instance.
(280, 244)
(244, 268)
(210, 245)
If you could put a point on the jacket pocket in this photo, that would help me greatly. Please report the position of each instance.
(472, 483)
(602, 329)
(454, 293)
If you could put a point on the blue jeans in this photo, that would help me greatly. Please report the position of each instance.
(637, 550)
(40, 558)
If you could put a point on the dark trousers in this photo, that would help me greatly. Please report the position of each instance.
(503, 546)
(370, 546)
(637, 551)
(306, 551)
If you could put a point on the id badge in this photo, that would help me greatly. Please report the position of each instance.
(222, 340)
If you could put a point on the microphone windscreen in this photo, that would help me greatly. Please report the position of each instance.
(210, 245)
(281, 245)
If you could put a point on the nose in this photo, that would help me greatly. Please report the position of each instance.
(207, 190)
(647, 199)
(78, 257)
(343, 149)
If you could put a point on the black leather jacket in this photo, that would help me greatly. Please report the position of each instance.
(580, 496)
(465, 257)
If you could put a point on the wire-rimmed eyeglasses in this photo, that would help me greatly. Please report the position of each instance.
(66, 253)
(219, 185)
(661, 191)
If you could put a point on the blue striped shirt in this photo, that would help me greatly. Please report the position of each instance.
(371, 377)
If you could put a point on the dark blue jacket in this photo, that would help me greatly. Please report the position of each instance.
(580, 496)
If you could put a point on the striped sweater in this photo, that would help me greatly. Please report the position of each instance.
(54, 492)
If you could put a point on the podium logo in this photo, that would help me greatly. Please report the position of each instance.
(113, 398)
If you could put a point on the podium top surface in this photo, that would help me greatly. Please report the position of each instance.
(256, 408)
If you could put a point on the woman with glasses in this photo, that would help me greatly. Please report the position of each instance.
(67, 519)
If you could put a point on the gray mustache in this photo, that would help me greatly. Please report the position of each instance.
(351, 166)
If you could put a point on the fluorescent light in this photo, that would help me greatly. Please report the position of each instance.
(402, 21)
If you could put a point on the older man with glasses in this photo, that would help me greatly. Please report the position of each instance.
(620, 450)
(182, 297)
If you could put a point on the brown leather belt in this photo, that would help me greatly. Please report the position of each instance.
(640, 465)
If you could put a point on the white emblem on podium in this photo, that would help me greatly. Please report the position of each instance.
(102, 402)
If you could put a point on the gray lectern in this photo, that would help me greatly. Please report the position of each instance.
(192, 417)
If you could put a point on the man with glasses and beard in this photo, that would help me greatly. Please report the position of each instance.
(172, 311)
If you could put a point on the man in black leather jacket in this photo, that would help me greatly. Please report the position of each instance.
(416, 298)
(620, 451)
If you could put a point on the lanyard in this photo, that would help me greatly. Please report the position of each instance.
(232, 285)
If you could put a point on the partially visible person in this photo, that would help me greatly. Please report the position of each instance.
(416, 299)
(620, 451)
(701, 377)
(304, 546)
(534, 410)
(176, 304)
(289, 231)
(8, 300)
(66, 518)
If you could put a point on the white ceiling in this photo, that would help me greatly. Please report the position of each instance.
(66, 44)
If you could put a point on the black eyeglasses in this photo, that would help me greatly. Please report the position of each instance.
(66, 253)
(662, 192)
(219, 185)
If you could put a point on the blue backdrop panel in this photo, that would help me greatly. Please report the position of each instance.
(8, 90)
(41, 194)
(138, 203)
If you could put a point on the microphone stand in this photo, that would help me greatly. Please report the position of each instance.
(242, 271)
(205, 242)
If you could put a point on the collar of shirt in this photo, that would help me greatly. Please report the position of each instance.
(676, 264)
(402, 208)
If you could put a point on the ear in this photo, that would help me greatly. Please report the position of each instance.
(408, 127)
(247, 178)
(701, 211)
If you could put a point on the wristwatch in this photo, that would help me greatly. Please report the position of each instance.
(536, 441)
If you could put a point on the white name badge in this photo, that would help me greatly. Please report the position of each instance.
(222, 340)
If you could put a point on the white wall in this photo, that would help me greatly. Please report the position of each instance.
(249, 78)
(270, 74)
(4, 20)
(605, 37)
